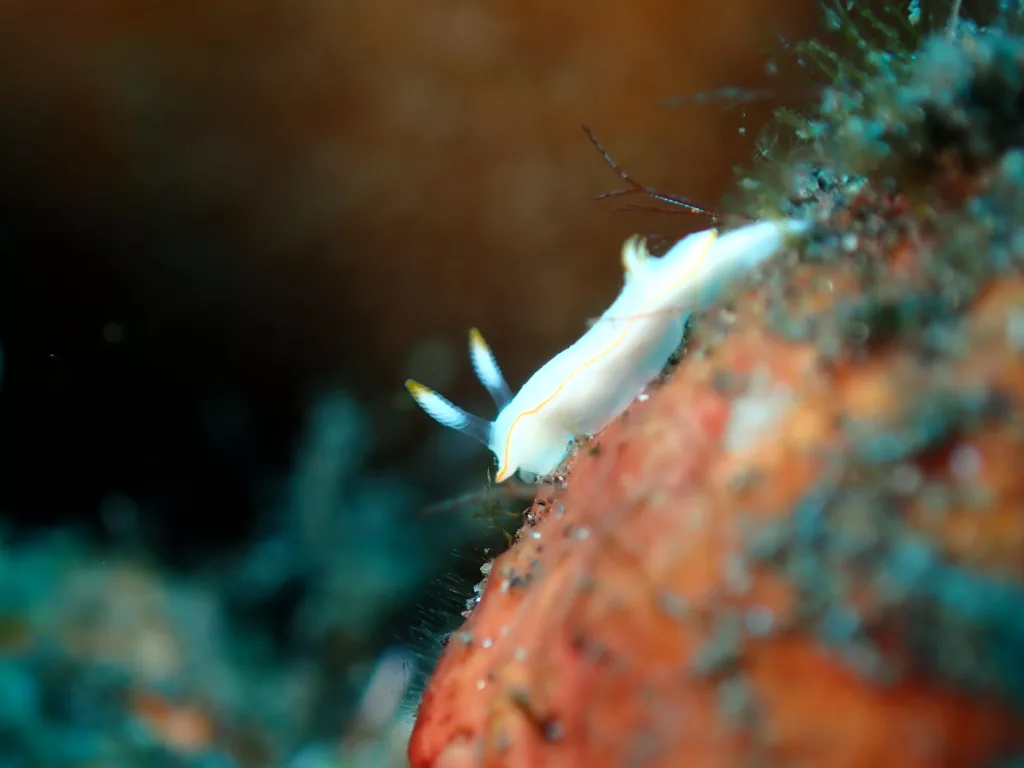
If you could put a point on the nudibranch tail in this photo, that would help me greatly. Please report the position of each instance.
(487, 370)
(448, 414)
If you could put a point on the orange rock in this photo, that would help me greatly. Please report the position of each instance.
(806, 547)
(805, 551)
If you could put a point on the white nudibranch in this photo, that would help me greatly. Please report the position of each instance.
(585, 387)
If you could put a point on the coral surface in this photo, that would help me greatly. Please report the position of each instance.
(806, 546)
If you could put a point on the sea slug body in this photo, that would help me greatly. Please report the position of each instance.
(583, 388)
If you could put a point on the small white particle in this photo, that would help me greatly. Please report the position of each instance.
(965, 462)
(581, 534)
(643, 397)
(906, 479)
(486, 642)
(760, 619)
(753, 416)
(481, 684)
(535, 534)
(520, 654)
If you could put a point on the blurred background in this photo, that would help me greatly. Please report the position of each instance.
(228, 232)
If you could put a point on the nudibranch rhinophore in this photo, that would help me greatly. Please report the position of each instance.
(583, 388)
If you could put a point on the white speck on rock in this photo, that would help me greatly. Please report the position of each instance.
(755, 413)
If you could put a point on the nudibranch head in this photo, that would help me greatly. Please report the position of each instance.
(526, 437)
(528, 434)
(533, 453)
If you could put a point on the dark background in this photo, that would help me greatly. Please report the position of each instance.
(228, 232)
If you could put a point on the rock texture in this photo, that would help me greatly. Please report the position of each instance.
(806, 547)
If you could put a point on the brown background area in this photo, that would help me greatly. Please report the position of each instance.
(281, 194)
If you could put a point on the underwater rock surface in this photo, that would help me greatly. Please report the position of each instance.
(806, 547)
